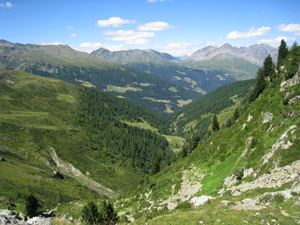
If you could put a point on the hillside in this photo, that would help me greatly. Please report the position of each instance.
(67, 64)
(195, 118)
(49, 125)
(149, 61)
(247, 173)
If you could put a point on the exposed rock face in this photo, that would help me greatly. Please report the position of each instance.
(267, 117)
(275, 179)
(70, 170)
(249, 118)
(197, 201)
(189, 187)
(291, 82)
(12, 217)
(279, 143)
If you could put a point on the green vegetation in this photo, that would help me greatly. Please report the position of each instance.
(84, 127)
(196, 116)
(231, 152)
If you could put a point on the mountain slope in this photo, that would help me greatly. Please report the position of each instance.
(64, 63)
(196, 117)
(149, 61)
(247, 173)
(47, 124)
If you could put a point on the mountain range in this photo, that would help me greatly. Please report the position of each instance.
(254, 53)
(78, 67)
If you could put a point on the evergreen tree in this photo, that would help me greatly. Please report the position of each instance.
(282, 53)
(31, 205)
(184, 152)
(156, 165)
(215, 124)
(108, 214)
(236, 114)
(90, 214)
(259, 85)
(268, 67)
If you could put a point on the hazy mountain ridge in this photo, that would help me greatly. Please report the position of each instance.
(149, 61)
(254, 53)
(65, 63)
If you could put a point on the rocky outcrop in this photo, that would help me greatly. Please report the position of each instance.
(275, 179)
(70, 170)
(280, 143)
(267, 117)
(197, 201)
(13, 217)
(290, 82)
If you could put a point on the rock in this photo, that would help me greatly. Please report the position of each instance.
(244, 126)
(197, 201)
(271, 128)
(40, 221)
(267, 117)
(2, 159)
(289, 83)
(249, 118)
(231, 180)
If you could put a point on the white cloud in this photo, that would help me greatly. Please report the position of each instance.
(6, 5)
(177, 49)
(114, 22)
(69, 27)
(155, 26)
(129, 36)
(73, 35)
(54, 43)
(275, 42)
(90, 46)
(251, 33)
(290, 28)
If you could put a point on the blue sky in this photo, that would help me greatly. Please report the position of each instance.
(179, 27)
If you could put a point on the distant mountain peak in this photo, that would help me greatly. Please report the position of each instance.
(254, 53)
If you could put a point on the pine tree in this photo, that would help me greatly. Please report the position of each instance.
(90, 214)
(268, 67)
(236, 114)
(259, 85)
(31, 205)
(215, 124)
(282, 53)
(108, 214)
(156, 165)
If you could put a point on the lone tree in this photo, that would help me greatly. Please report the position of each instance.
(90, 214)
(282, 53)
(31, 205)
(215, 124)
(108, 214)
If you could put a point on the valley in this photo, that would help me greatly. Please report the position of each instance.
(112, 134)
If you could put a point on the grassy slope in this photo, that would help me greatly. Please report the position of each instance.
(38, 113)
(196, 116)
(218, 158)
